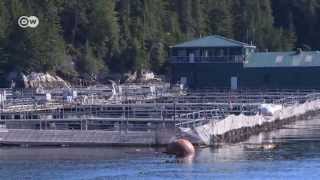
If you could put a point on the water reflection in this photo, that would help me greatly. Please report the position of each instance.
(188, 160)
(301, 139)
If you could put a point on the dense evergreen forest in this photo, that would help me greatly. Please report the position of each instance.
(101, 37)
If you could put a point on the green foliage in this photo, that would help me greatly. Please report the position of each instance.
(92, 38)
(3, 20)
(89, 64)
(300, 17)
(219, 18)
(103, 31)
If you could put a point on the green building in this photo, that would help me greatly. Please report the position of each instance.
(218, 62)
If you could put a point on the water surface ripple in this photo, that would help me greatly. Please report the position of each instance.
(297, 156)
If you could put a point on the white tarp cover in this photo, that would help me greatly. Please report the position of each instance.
(269, 109)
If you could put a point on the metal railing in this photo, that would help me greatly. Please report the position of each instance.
(192, 109)
(207, 59)
(200, 118)
(291, 100)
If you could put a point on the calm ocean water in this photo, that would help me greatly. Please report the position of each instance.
(297, 157)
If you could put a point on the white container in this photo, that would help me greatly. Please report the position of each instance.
(69, 99)
(43, 97)
(3, 96)
(48, 97)
(269, 109)
(70, 92)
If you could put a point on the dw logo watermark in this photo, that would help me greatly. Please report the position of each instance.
(28, 21)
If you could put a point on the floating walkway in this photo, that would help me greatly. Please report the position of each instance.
(235, 128)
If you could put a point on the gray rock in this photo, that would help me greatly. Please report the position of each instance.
(43, 80)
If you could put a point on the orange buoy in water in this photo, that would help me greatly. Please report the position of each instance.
(181, 148)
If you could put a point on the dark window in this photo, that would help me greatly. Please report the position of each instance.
(221, 52)
(182, 52)
(266, 79)
(297, 78)
(212, 52)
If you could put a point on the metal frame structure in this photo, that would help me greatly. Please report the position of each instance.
(165, 109)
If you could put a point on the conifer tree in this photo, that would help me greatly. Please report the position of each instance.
(103, 31)
(89, 38)
(219, 18)
(89, 64)
(184, 11)
(47, 44)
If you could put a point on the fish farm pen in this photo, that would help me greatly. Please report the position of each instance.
(130, 114)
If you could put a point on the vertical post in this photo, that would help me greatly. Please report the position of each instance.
(40, 124)
(127, 117)
(174, 110)
(194, 119)
(161, 113)
(123, 119)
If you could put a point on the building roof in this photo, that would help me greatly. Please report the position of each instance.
(212, 41)
(283, 59)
